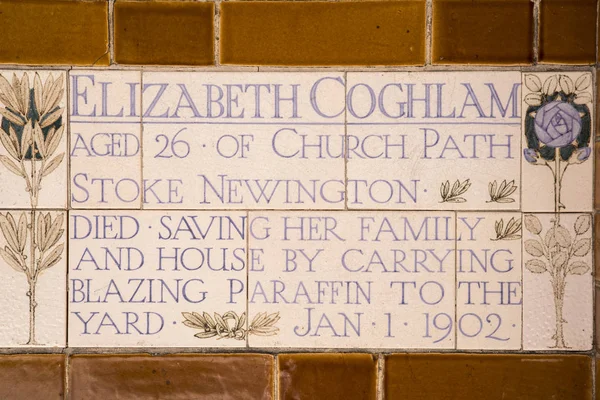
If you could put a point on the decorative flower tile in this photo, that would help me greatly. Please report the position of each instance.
(33, 139)
(558, 118)
(32, 289)
(557, 282)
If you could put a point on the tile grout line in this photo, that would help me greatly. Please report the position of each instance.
(455, 280)
(337, 68)
(428, 31)
(217, 33)
(346, 142)
(521, 215)
(594, 377)
(380, 377)
(142, 194)
(536, 31)
(111, 32)
(66, 379)
(68, 203)
(522, 285)
(276, 393)
(247, 276)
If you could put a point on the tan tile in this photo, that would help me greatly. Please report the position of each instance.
(352, 279)
(258, 140)
(105, 130)
(416, 140)
(488, 280)
(143, 288)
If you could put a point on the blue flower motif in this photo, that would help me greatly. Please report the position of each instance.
(557, 124)
(530, 155)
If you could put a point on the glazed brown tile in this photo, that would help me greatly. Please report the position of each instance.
(597, 316)
(25, 376)
(487, 377)
(568, 31)
(597, 176)
(596, 248)
(216, 376)
(482, 32)
(327, 376)
(54, 32)
(164, 33)
(323, 33)
(597, 375)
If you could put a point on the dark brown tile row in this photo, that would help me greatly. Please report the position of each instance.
(328, 376)
(297, 33)
(487, 377)
(301, 376)
(482, 32)
(323, 33)
(568, 31)
(25, 376)
(54, 32)
(164, 33)
(227, 377)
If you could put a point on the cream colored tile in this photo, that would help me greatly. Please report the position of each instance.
(105, 139)
(351, 280)
(434, 140)
(557, 282)
(243, 140)
(558, 117)
(32, 294)
(488, 273)
(33, 106)
(136, 279)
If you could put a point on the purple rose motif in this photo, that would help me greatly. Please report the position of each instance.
(557, 124)
(584, 153)
(530, 155)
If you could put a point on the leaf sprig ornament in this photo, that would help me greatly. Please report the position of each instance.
(454, 194)
(230, 325)
(510, 231)
(500, 193)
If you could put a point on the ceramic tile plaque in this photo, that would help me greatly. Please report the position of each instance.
(396, 210)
